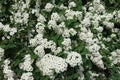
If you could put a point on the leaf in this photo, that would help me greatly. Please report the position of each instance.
(16, 63)
(34, 56)
(73, 76)
(8, 46)
(61, 54)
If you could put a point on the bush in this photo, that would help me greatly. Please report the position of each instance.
(59, 40)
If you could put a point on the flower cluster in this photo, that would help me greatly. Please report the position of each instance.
(26, 65)
(8, 73)
(50, 64)
(115, 57)
(6, 28)
(27, 76)
(21, 15)
(74, 59)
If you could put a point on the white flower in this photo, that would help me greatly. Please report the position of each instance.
(66, 34)
(67, 43)
(86, 22)
(6, 28)
(101, 8)
(98, 61)
(115, 56)
(21, 17)
(13, 31)
(8, 73)
(72, 31)
(26, 65)
(69, 14)
(95, 23)
(50, 63)
(62, 6)
(52, 24)
(109, 25)
(51, 45)
(96, 2)
(74, 59)
(49, 7)
(25, 16)
(60, 28)
(17, 17)
(55, 16)
(40, 28)
(93, 48)
(78, 14)
(82, 36)
(59, 49)
(93, 75)
(33, 42)
(91, 9)
(100, 29)
(113, 35)
(27, 76)
(41, 18)
(72, 4)
(39, 50)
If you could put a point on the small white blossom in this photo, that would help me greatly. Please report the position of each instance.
(55, 16)
(52, 24)
(74, 59)
(72, 4)
(40, 28)
(49, 7)
(69, 14)
(41, 18)
(8, 73)
(27, 76)
(39, 50)
(72, 31)
(115, 56)
(26, 65)
(67, 43)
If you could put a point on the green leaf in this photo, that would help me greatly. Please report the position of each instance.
(34, 56)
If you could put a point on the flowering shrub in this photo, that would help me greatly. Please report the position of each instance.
(59, 40)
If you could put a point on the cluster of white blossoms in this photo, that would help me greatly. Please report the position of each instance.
(74, 59)
(92, 46)
(39, 50)
(115, 57)
(50, 64)
(93, 75)
(27, 76)
(1, 53)
(96, 13)
(43, 43)
(49, 7)
(21, 16)
(26, 65)
(67, 43)
(6, 28)
(8, 73)
(40, 28)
